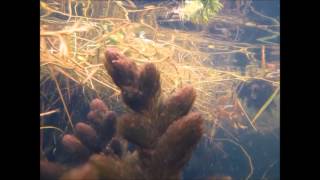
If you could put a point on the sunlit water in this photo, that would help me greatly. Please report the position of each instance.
(244, 40)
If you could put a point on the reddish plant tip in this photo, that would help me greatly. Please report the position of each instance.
(92, 115)
(83, 127)
(176, 106)
(123, 71)
(176, 144)
(111, 54)
(183, 99)
(149, 82)
(185, 93)
(99, 105)
(72, 144)
(86, 134)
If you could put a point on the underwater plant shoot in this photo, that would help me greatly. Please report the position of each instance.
(158, 90)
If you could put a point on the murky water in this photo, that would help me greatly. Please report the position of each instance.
(233, 62)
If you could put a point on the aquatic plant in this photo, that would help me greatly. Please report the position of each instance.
(163, 130)
(200, 11)
(74, 35)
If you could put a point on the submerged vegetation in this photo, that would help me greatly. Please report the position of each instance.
(75, 33)
(162, 129)
(200, 11)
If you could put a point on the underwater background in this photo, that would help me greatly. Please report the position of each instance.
(229, 52)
